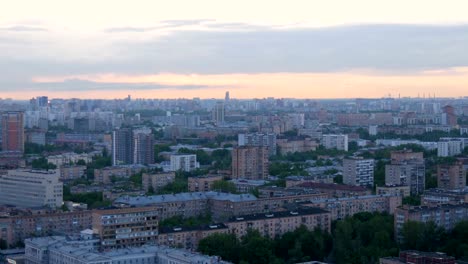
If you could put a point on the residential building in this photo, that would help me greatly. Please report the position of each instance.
(105, 175)
(449, 148)
(156, 181)
(278, 223)
(184, 162)
(126, 227)
(202, 183)
(340, 208)
(21, 224)
(445, 216)
(218, 113)
(407, 168)
(70, 172)
(143, 146)
(250, 163)
(433, 197)
(451, 176)
(335, 190)
(419, 257)
(188, 237)
(13, 131)
(286, 146)
(259, 140)
(402, 190)
(358, 171)
(70, 158)
(246, 186)
(31, 188)
(339, 142)
(122, 146)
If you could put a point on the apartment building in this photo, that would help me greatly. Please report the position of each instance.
(22, 224)
(339, 142)
(358, 171)
(31, 188)
(70, 172)
(156, 181)
(433, 197)
(287, 146)
(407, 168)
(184, 162)
(126, 227)
(341, 208)
(278, 223)
(188, 237)
(259, 140)
(250, 163)
(451, 176)
(106, 174)
(449, 148)
(202, 183)
(401, 190)
(445, 216)
(336, 190)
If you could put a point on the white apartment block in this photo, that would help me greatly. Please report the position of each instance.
(31, 188)
(358, 171)
(184, 162)
(339, 142)
(449, 148)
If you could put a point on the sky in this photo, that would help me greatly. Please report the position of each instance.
(254, 49)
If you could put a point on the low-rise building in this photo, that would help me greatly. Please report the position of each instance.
(105, 175)
(413, 256)
(278, 223)
(341, 208)
(202, 183)
(445, 216)
(188, 237)
(126, 227)
(339, 142)
(70, 172)
(336, 190)
(286, 146)
(156, 181)
(441, 196)
(246, 186)
(402, 190)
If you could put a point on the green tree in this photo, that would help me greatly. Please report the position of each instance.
(224, 186)
(227, 246)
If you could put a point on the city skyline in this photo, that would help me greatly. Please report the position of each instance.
(179, 49)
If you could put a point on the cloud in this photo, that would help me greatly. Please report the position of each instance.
(23, 28)
(383, 48)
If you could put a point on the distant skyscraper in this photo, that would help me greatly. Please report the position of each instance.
(42, 101)
(12, 131)
(226, 98)
(143, 146)
(218, 113)
(122, 150)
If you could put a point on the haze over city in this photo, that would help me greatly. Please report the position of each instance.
(255, 49)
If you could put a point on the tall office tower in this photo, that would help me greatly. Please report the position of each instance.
(143, 146)
(42, 101)
(218, 113)
(122, 146)
(227, 98)
(13, 131)
(31, 188)
(358, 171)
(250, 162)
(339, 142)
(259, 140)
(451, 176)
(406, 169)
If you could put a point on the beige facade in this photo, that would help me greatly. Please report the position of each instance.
(401, 190)
(72, 172)
(202, 183)
(126, 227)
(286, 146)
(451, 177)
(341, 208)
(156, 181)
(250, 163)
